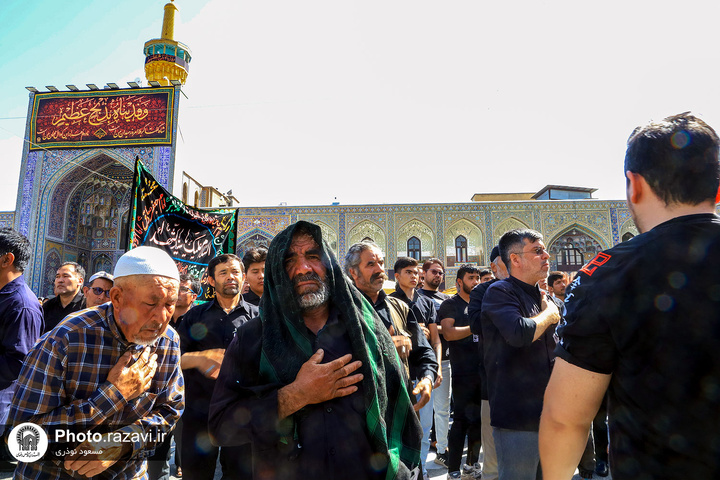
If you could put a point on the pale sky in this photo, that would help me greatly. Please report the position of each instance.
(382, 101)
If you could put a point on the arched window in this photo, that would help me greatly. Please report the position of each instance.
(413, 248)
(197, 198)
(569, 258)
(184, 194)
(627, 236)
(461, 249)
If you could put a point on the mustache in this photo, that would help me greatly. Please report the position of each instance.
(379, 275)
(311, 276)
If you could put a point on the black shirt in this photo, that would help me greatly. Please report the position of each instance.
(421, 359)
(206, 327)
(464, 357)
(423, 308)
(331, 437)
(251, 298)
(474, 312)
(517, 368)
(54, 312)
(648, 312)
(438, 298)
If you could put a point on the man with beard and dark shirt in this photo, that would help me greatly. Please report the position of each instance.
(466, 363)
(518, 323)
(314, 382)
(205, 332)
(406, 277)
(489, 466)
(642, 321)
(433, 274)
(254, 263)
(68, 294)
(21, 322)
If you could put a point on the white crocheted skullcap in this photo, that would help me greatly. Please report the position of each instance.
(146, 261)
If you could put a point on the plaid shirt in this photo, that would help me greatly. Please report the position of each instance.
(64, 383)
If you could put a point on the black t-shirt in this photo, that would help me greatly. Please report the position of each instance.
(438, 298)
(206, 327)
(54, 312)
(464, 357)
(251, 298)
(648, 312)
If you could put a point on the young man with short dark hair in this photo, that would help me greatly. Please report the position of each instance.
(643, 319)
(68, 294)
(406, 276)
(254, 263)
(466, 368)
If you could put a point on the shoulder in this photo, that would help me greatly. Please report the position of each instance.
(397, 304)
(197, 312)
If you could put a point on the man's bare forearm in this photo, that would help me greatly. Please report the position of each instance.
(544, 320)
(290, 400)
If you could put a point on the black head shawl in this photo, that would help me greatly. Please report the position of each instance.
(392, 425)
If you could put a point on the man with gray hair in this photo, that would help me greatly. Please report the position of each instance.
(365, 265)
(113, 370)
(517, 324)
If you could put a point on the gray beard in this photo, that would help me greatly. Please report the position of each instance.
(311, 300)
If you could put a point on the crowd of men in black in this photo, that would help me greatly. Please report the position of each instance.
(282, 372)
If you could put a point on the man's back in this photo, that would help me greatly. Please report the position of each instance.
(649, 313)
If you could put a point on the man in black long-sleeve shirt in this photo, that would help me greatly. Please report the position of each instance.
(517, 328)
(311, 383)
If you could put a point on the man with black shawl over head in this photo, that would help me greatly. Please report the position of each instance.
(315, 382)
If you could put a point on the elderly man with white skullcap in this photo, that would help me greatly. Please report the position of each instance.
(107, 379)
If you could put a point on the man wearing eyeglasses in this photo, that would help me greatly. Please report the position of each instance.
(97, 291)
(189, 290)
(517, 323)
(433, 276)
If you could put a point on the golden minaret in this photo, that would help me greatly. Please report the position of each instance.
(165, 58)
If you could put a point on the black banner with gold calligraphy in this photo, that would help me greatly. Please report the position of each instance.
(102, 118)
(192, 237)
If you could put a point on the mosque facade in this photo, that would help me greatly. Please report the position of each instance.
(574, 230)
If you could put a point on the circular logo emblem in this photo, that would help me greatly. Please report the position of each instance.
(27, 442)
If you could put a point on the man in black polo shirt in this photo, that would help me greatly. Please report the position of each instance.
(465, 361)
(517, 328)
(407, 275)
(205, 332)
(68, 294)
(643, 321)
(433, 273)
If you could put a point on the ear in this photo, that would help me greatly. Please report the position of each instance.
(353, 275)
(636, 187)
(211, 281)
(8, 260)
(117, 297)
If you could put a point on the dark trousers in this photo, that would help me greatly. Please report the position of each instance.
(467, 420)
(199, 455)
(159, 462)
(600, 432)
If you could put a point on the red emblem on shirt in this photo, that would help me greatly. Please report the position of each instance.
(600, 259)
